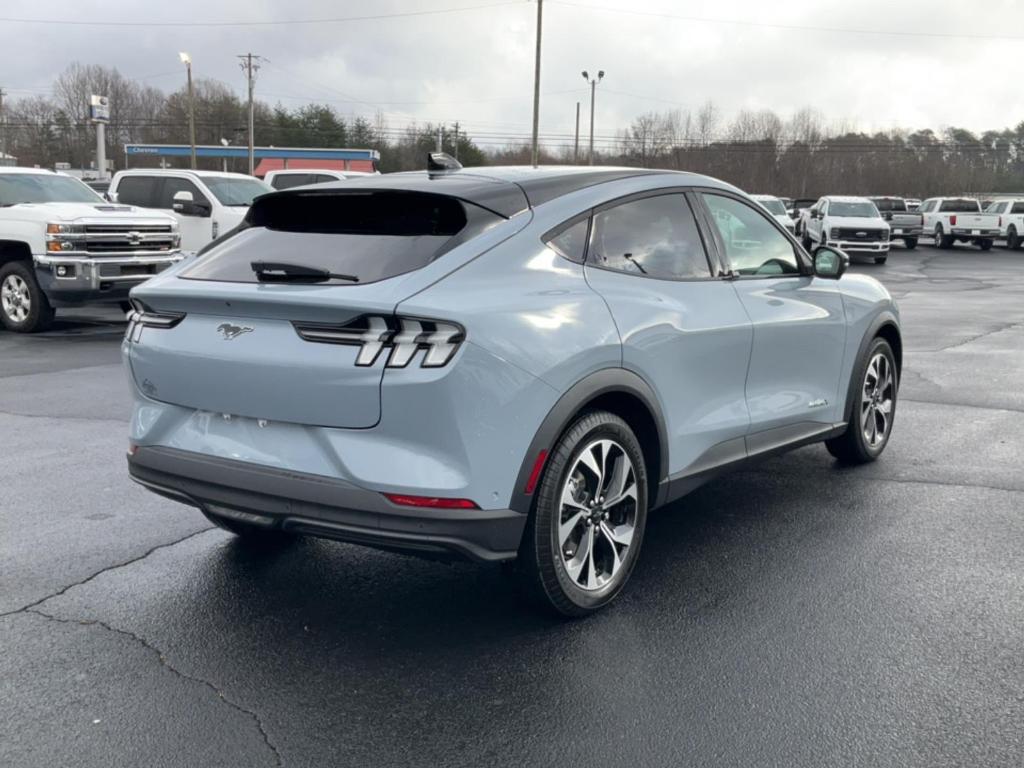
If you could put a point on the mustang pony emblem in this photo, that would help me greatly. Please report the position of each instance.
(229, 331)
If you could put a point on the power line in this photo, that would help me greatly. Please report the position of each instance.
(789, 27)
(275, 23)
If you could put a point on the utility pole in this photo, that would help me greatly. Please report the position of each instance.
(576, 141)
(440, 142)
(536, 86)
(187, 61)
(593, 96)
(250, 65)
(3, 128)
(456, 139)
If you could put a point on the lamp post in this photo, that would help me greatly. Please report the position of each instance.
(187, 61)
(593, 96)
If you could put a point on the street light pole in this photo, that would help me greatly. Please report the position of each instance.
(536, 86)
(187, 61)
(576, 141)
(593, 97)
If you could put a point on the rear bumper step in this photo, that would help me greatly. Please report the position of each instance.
(321, 506)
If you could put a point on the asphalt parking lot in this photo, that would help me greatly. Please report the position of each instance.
(797, 614)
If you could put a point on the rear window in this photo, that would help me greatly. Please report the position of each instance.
(369, 235)
(893, 204)
(960, 206)
(289, 180)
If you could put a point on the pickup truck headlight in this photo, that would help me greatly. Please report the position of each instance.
(56, 228)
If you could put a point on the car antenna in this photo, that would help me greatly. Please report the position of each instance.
(440, 163)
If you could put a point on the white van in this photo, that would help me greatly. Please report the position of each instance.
(206, 203)
(300, 177)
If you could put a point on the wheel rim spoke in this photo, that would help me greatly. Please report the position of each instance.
(565, 529)
(877, 400)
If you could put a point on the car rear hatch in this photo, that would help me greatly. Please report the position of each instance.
(291, 318)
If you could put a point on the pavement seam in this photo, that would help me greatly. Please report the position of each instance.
(175, 671)
(100, 572)
(1004, 408)
(999, 329)
(900, 481)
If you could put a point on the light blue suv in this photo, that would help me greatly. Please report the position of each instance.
(499, 363)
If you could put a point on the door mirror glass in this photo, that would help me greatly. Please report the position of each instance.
(830, 263)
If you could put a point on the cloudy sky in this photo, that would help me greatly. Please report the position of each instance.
(949, 64)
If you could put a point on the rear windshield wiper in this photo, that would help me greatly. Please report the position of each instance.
(282, 272)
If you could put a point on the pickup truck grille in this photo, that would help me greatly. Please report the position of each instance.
(856, 234)
(113, 239)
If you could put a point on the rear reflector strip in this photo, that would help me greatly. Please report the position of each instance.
(538, 465)
(433, 502)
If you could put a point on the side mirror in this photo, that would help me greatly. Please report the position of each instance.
(183, 201)
(830, 263)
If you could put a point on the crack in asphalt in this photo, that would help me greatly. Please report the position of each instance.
(999, 329)
(62, 417)
(170, 667)
(897, 480)
(954, 404)
(103, 570)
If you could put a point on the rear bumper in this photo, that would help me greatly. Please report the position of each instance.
(322, 506)
(965, 232)
(898, 232)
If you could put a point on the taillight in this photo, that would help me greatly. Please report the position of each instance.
(952, 220)
(402, 336)
(143, 316)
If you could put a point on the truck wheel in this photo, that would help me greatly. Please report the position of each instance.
(805, 240)
(880, 259)
(1012, 239)
(941, 239)
(910, 243)
(985, 244)
(23, 306)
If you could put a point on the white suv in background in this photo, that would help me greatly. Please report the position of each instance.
(206, 203)
(301, 177)
(851, 224)
(777, 209)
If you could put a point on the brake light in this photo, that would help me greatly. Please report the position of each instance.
(403, 336)
(431, 502)
(952, 220)
(142, 316)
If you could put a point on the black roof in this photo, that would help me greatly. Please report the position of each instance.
(503, 190)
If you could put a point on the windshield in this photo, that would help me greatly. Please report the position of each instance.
(774, 206)
(43, 188)
(864, 210)
(231, 191)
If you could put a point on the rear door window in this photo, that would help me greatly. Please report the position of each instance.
(369, 236)
(1018, 208)
(289, 180)
(138, 190)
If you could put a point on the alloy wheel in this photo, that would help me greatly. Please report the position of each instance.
(598, 514)
(877, 398)
(15, 298)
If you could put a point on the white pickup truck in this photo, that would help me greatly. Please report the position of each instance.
(61, 244)
(952, 219)
(1011, 221)
(851, 224)
(206, 204)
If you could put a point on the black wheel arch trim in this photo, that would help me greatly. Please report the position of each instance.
(886, 318)
(588, 389)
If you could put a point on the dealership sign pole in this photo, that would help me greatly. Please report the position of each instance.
(99, 113)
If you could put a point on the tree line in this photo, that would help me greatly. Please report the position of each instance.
(803, 156)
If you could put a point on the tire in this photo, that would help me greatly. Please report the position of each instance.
(250, 533)
(854, 446)
(1013, 241)
(985, 244)
(910, 243)
(941, 239)
(23, 305)
(880, 259)
(805, 240)
(552, 564)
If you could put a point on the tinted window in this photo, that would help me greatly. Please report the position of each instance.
(236, 191)
(289, 180)
(44, 188)
(655, 236)
(138, 190)
(960, 206)
(894, 204)
(571, 243)
(753, 244)
(1018, 208)
(172, 186)
(321, 178)
(369, 236)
